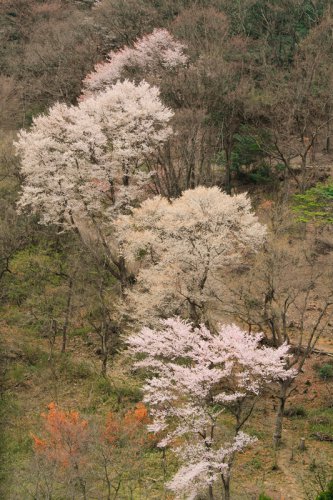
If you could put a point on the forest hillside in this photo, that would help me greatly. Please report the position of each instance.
(166, 249)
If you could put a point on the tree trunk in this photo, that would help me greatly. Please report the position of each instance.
(280, 414)
(303, 173)
(227, 178)
(210, 492)
(126, 279)
(328, 130)
(194, 317)
(67, 316)
(226, 487)
(104, 337)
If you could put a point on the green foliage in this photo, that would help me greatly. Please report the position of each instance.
(315, 205)
(117, 393)
(32, 269)
(15, 443)
(295, 411)
(16, 373)
(262, 174)
(283, 23)
(247, 150)
(326, 371)
(34, 356)
(328, 494)
(74, 370)
(81, 331)
(255, 463)
(248, 157)
(263, 496)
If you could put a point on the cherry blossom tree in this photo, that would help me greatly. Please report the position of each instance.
(75, 157)
(155, 52)
(181, 248)
(82, 164)
(194, 377)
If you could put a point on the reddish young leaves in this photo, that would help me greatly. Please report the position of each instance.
(64, 438)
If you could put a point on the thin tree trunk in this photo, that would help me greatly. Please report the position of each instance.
(226, 486)
(328, 130)
(192, 176)
(303, 173)
(280, 414)
(67, 316)
(104, 338)
(81, 481)
(107, 478)
(227, 178)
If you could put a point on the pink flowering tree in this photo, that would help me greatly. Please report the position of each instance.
(181, 248)
(155, 53)
(195, 377)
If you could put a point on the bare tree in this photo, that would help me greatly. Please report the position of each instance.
(287, 293)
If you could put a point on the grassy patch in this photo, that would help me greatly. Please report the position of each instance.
(81, 331)
(117, 393)
(73, 370)
(15, 443)
(321, 421)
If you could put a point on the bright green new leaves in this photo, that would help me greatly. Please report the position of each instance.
(315, 205)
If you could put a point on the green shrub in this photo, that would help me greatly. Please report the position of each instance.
(315, 204)
(17, 373)
(325, 372)
(255, 463)
(74, 370)
(34, 356)
(262, 496)
(128, 392)
(295, 411)
(328, 494)
(81, 331)
(262, 174)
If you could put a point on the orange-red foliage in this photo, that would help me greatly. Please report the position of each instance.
(131, 427)
(65, 436)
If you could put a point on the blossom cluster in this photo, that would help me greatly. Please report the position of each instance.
(156, 51)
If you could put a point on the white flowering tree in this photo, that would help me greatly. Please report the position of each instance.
(75, 158)
(181, 249)
(83, 164)
(194, 376)
(153, 53)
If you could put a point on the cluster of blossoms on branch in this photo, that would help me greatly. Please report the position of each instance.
(196, 375)
(153, 52)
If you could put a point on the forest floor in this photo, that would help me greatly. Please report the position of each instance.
(291, 473)
(31, 381)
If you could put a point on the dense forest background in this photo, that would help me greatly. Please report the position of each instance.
(253, 112)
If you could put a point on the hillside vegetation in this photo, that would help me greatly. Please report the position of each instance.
(166, 272)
